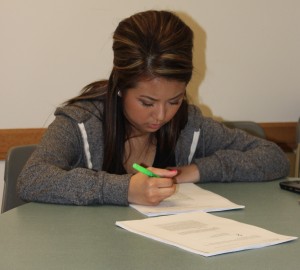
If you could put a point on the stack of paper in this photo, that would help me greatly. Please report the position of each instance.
(188, 198)
(203, 233)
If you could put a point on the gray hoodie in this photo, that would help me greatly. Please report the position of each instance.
(66, 167)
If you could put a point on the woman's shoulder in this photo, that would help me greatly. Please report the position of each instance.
(194, 111)
(195, 116)
(82, 111)
(196, 119)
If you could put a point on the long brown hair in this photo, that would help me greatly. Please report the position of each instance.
(146, 45)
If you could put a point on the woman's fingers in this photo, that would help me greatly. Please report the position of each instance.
(163, 172)
(149, 190)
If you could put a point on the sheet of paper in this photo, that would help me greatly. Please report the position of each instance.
(188, 197)
(204, 233)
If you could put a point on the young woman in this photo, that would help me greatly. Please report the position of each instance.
(141, 115)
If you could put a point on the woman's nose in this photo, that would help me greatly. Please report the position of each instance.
(160, 113)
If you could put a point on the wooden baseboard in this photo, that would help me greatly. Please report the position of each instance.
(284, 134)
(15, 137)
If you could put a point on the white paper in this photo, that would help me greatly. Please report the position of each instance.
(204, 233)
(188, 198)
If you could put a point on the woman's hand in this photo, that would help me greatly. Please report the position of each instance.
(151, 190)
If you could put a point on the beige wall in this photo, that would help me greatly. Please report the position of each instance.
(247, 56)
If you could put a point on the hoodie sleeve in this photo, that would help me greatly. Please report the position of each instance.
(233, 155)
(227, 155)
(57, 172)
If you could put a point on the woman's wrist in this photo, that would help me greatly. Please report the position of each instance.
(187, 174)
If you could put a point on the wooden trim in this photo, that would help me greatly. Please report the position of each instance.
(284, 134)
(14, 137)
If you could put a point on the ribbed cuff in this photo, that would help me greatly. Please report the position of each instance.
(210, 169)
(115, 190)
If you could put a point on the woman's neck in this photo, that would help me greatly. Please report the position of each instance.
(139, 149)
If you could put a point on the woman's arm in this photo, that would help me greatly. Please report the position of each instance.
(234, 155)
(226, 155)
(56, 172)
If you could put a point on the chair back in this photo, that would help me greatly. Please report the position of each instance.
(15, 160)
(297, 164)
(251, 127)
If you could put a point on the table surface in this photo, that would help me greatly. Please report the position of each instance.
(44, 236)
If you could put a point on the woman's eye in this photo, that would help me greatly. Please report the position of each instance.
(145, 104)
(176, 102)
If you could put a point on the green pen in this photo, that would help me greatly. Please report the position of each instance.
(144, 170)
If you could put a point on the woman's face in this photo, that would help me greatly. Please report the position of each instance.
(152, 103)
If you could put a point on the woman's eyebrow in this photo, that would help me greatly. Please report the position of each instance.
(179, 95)
(154, 99)
(151, 98)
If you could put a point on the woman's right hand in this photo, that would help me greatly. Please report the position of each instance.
(147, 190)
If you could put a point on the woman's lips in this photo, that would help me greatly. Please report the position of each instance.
(155, 126)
